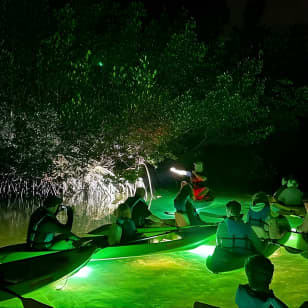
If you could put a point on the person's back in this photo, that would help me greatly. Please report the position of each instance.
(291, 196)
(256, 293)
(235, 235)
(38, 235)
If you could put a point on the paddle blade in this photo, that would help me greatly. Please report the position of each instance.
(202, 305)
(32, 303)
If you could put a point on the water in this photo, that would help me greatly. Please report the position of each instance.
(168, 280)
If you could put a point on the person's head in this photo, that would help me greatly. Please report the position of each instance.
(284, 181)
(140, 192)
(259, 271)
(123, 211)
(233, 209)
(292, 182)
(260, 200)
(52, 203)
(198, 166)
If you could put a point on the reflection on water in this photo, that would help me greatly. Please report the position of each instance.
(172, 280)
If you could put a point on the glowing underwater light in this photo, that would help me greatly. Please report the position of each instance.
(203, 250)
(83, 272)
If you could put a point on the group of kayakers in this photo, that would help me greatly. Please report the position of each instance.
(239, 239)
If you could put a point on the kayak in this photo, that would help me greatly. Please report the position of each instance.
(224, 260)
(173, 240)
(302, 243)
(23, 276)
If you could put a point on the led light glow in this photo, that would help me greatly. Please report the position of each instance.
(83, 272)
(203, 250)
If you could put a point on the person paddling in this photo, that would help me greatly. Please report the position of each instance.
(290, 200)
(198, 181)
(140, 212)
(256, 293)
(235, 235)
(46, 232)
(124, 229)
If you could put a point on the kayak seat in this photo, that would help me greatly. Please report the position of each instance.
(181, 219)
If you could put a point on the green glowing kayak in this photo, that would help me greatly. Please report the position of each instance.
(23, 276)
(175, 239)
(302, 243)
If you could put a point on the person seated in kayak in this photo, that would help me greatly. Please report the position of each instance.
(291, 196)
(284, 182)
(259, 271)
(265, 222)
(186, 213)
(141, 214)
(46, 232)
(198, 182)
(235, 235)
(124, 229)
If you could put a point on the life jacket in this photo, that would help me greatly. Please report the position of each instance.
(248, 298)
(197, 182)
(237, 240)
(138, 218)
(259, 218)
(37, 238)
(129, 231)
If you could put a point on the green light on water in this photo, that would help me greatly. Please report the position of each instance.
(203, 250)
(83, 272)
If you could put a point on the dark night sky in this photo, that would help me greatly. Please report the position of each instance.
(276, 12)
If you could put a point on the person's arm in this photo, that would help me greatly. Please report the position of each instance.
(199, 176)
(274, 229)
(114, 237)
(304, 226)
(54, 226)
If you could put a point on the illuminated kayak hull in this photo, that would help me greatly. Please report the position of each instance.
(224, 260)
(181, 239)
(23, 276)
(302, 243)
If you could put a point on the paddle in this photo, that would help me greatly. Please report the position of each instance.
(287, 248)
(27, 302)
(205, 213)
(202, 305)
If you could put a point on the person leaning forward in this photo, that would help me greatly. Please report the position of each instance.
(46, 232)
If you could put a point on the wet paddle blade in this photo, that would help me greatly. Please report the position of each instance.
(202, 305)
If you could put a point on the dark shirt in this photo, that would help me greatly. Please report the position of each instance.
(44, 226)
(139, 209)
